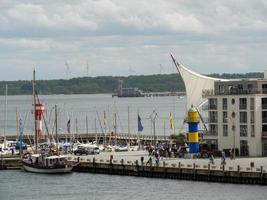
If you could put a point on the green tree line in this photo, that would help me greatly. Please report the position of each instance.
(108, 84)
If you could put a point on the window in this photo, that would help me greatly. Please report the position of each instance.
(224, 117)
(213, 116)
(213, 104)
(213, 130)
(264, 88)
(242, 103)
(251, 103)
(225, 130)
(221, 89)
(252, 131)
(243, 117)
(224, 103)
(233, 101)
(243, 131)
(250, 88)
(264, 103)
(240, 87)
(252, 120)
(264, 116)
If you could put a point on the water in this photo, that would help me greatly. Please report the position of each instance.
(93, 106)
(16, 185)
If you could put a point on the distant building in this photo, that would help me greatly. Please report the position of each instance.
(127, 92)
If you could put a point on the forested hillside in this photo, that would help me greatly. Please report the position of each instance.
(108, 84)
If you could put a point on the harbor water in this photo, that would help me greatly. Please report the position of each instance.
(16, 184)
(90, 109)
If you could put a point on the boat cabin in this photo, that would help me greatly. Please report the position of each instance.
(49, 161)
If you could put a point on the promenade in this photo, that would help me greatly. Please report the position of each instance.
(131, 157)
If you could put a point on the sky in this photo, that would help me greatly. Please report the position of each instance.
(76, 38)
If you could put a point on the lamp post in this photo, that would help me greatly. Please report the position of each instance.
(233, 130)
(153, 116)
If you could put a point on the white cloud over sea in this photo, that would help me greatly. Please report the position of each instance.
(132, 37)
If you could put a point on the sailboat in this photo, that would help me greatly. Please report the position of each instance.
(45, 159)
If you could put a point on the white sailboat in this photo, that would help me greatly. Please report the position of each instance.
(45, 159)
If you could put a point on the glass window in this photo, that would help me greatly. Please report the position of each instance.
(252, 131)
(251, 103)
(225, 130)
(224, 117)
(224, 103)
(213, 129)
(213, 116)
(221, 89)
(243, 117)
(243, 131)
(213, 104)
(243, 103)
(252, 120)
(264, 116)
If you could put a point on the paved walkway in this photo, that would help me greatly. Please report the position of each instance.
(231, 165)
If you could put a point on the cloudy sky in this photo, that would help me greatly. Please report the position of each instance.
(130, 37)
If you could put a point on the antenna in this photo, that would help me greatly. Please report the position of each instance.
(67, 70)
(131, 71)
(160, 68)
(87, 68)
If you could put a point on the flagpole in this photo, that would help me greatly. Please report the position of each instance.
(129, 125)
(139, 143)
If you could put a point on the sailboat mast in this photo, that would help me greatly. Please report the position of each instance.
(34, 106)
(5, 119)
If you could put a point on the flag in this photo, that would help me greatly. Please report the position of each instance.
(140, 126)
(171, 122)
(68, 126)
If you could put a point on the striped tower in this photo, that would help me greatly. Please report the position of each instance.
(193, 130)
(39, 109)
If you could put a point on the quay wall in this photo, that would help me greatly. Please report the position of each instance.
(183, 172)
(180, 171)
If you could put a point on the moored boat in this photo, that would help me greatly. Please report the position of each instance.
(40, 163)
(46, 158)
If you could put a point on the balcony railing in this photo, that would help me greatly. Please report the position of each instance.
(212, 133)
(242, 106)
(212, 120)
(212, 107)
(206, 93)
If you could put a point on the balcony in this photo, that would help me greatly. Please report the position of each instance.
(234, 91)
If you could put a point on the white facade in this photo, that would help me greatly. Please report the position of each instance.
(246, 129)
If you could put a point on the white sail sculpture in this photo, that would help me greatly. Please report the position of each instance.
(195, 84)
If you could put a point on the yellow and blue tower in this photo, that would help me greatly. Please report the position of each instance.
(193, 120)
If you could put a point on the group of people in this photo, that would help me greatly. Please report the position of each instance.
(223, 159)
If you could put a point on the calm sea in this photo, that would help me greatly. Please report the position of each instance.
(16, 185)
(78, 108)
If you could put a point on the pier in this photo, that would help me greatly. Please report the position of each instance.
(239, 171)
